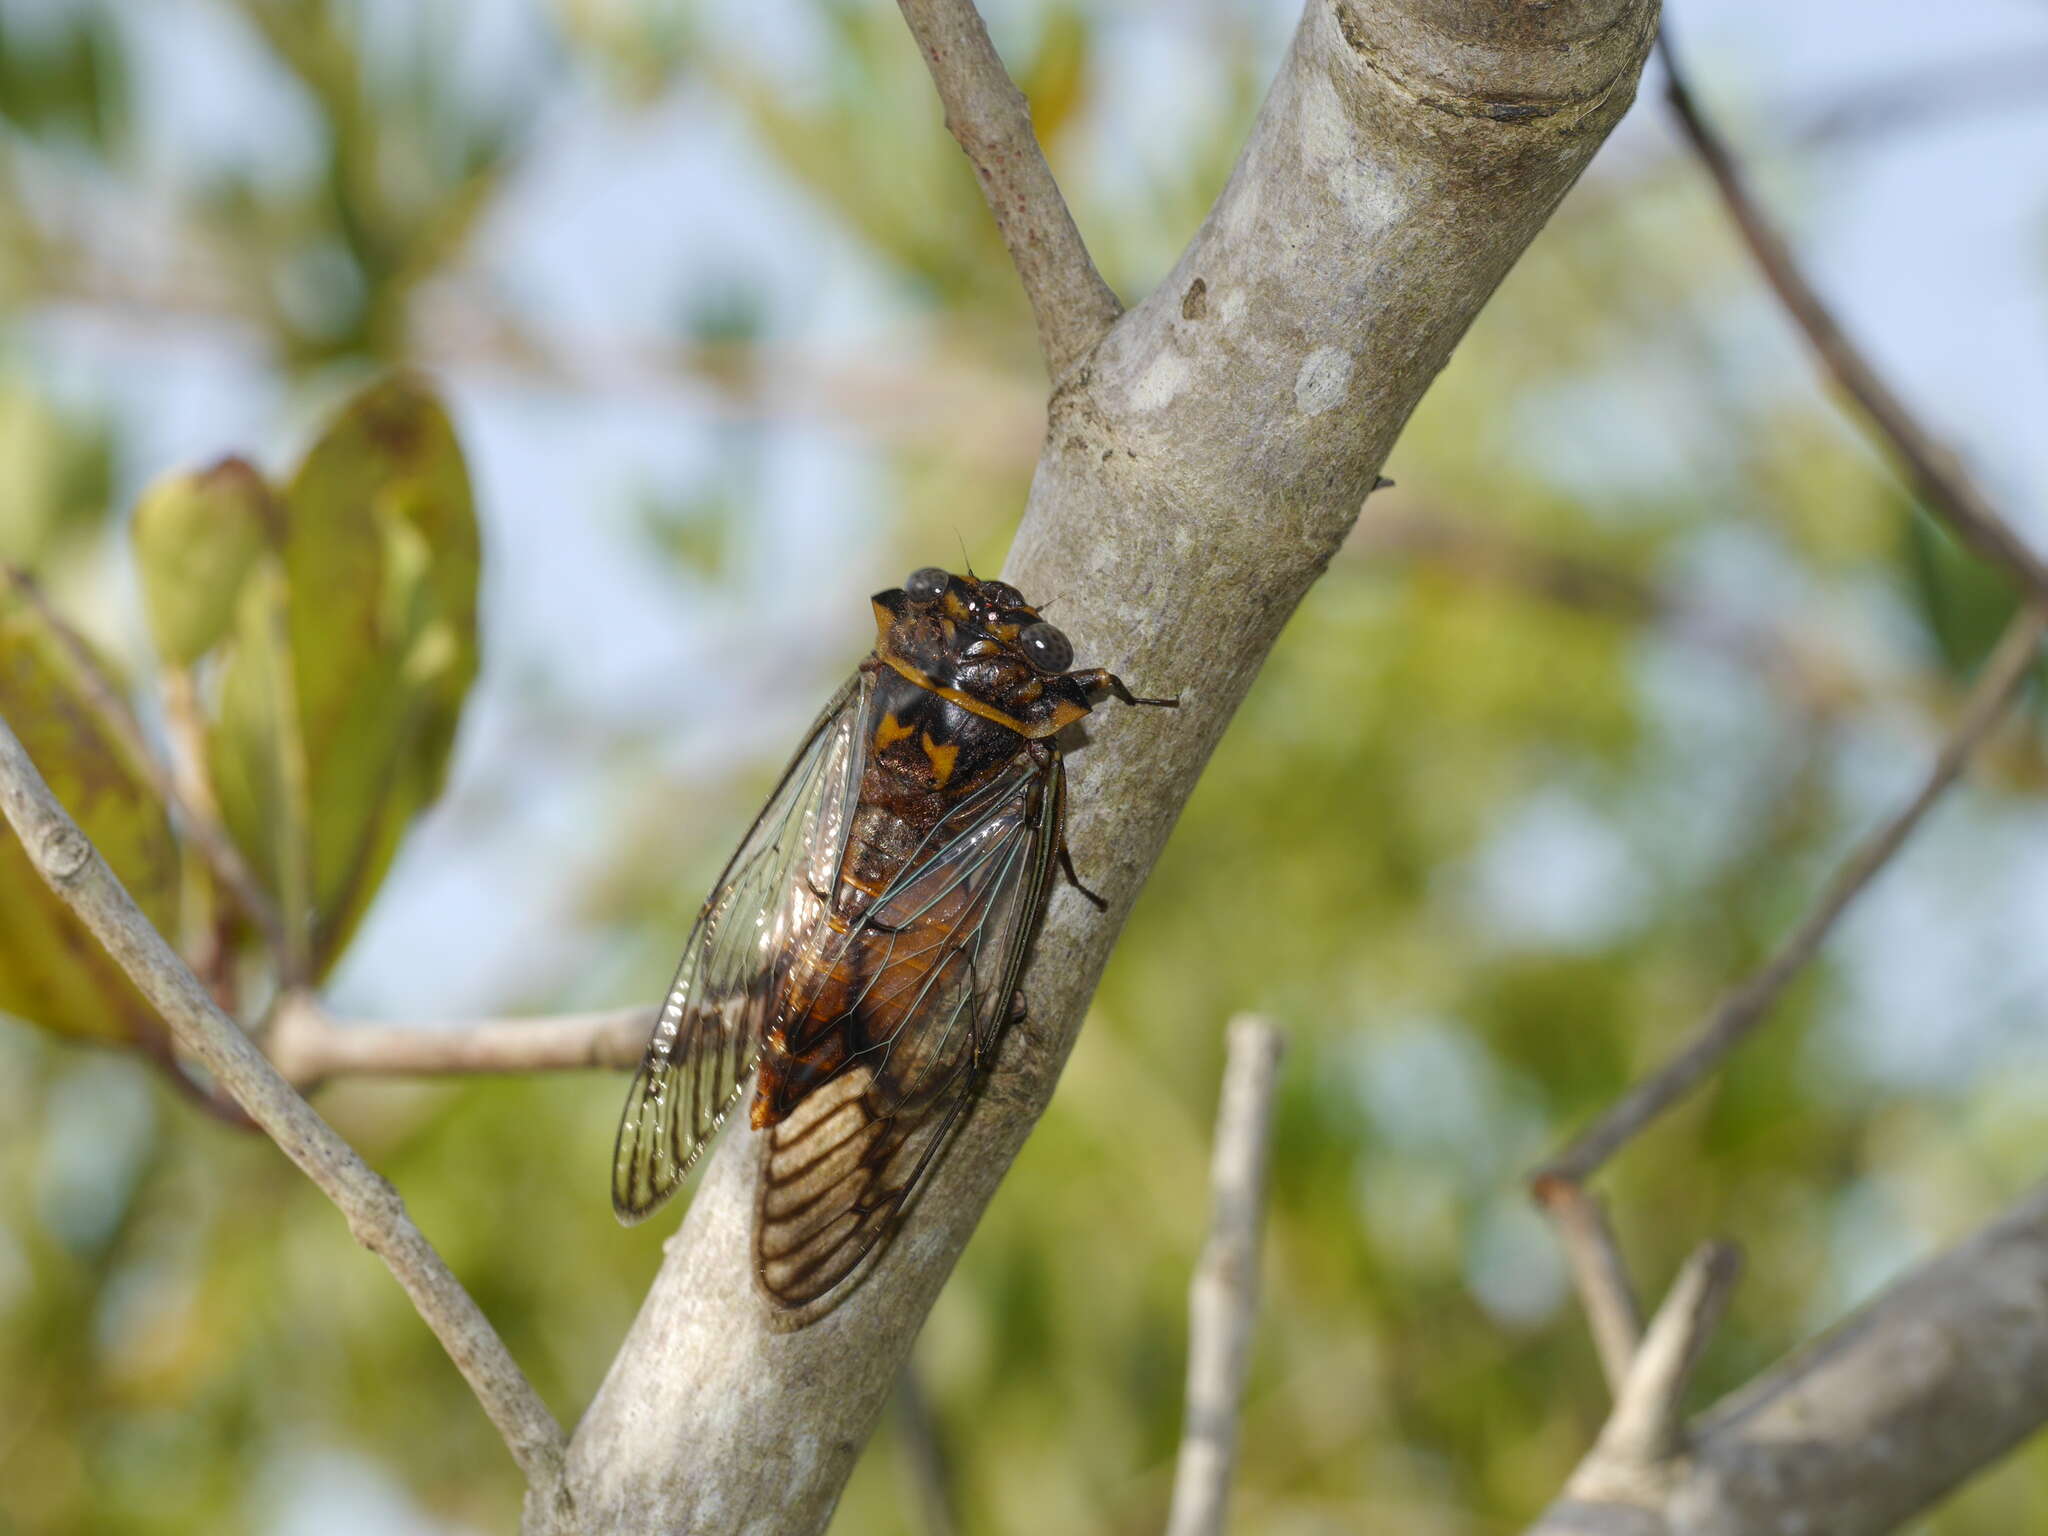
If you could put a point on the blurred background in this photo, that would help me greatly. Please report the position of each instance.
(1564, 740)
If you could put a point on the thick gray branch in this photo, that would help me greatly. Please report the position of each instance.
(1874, 1422)
(1201, 467)
(376, 1215)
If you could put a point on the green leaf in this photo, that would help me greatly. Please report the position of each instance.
(53, 972)
(350, 660)
(195, 537)
(1965, 602)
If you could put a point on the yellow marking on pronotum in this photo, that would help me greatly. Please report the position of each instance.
(891, 731)
(942, 759)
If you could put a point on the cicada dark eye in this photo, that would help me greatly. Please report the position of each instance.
(927, 585)
(1046, 648)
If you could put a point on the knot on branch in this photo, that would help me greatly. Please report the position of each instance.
(1501, 63)
(64, 852)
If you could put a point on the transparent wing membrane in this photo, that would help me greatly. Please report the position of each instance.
(929, 969)
(765, 914)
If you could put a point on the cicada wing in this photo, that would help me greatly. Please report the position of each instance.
(766, 910)
(939, 953)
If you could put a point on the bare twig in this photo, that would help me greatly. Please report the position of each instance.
(924, 1455)
(1645, 1430)
(1749, 1004)
(1933, 471)
(308, 1046)
(1223, 1299)
(1601, 1276)
(989, 116)
(1940, 93)
(111, 708)
(376, 1216)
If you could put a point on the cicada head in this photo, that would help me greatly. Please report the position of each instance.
(982, 645)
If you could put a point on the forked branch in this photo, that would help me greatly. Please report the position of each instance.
(376, 1215)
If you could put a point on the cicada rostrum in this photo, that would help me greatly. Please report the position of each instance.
(864, 944)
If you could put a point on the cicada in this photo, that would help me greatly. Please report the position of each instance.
(860, 955)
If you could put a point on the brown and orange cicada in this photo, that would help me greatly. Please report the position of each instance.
(863, 946)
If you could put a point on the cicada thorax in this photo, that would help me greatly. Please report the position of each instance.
(932, 767)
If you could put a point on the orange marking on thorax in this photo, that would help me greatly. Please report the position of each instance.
(942, 759)
(890, 731)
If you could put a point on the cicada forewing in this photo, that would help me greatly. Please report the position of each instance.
(888, 1036)
(764, 917)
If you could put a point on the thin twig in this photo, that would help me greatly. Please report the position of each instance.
(1749, 1004)
(111, 708)
(1940, 94)
(376, 1216)
(1601, 1276)
(308, 1046)
(1223, 1299)
(924, 1455)
(989, 117)
(1934, 472)
(1646, 1428)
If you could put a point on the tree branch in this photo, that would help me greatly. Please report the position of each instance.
(376, 1215)
(1935, 473)
(1223, 1300)
(1601, 1276)
(1742, 1010)
(924, 1456)
(1871, 1424)
(989, 116)
(1201, 467)
(1643, 1434)
(308, 1047)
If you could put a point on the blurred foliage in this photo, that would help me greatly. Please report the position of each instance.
(1487, 840)
(196, 536)
(325, 750)
(52, 972)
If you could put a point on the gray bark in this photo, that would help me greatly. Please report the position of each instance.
(1200, 468)
(1867, 1426)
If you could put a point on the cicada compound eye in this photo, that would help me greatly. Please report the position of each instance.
(1046, 648)
(927, 585)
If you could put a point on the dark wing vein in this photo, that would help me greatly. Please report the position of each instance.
(940, 952)
(766, 911)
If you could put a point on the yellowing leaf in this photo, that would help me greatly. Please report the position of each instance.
(195, 537)
(53, 973)
(349, 665)
(1056, 84)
